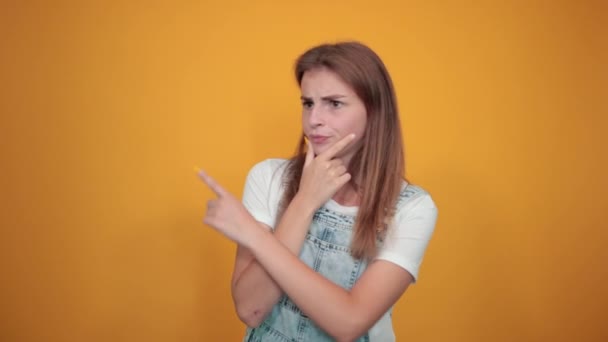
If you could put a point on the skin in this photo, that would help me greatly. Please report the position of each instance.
(267, 264)
(331, 108)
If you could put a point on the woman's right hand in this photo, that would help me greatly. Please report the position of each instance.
(323, 176)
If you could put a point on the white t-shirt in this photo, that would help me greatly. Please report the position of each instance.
(407, 237)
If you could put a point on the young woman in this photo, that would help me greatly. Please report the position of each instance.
(330, 239)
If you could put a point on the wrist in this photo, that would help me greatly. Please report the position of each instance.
(303, 205)
(256, 238)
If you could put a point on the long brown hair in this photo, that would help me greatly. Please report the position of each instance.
(378, 167)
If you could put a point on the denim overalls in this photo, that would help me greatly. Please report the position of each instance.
(325, 250)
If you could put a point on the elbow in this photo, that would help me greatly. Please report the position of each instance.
(349, 331)
(251, 317)
(347, 337)
(244, 311)
(248, 311)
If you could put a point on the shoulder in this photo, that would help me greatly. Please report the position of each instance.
(267, 175)
(262, 191)
(414, 197)
(269, 169)
(414, 204)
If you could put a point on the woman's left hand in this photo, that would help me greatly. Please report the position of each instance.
(226, 214)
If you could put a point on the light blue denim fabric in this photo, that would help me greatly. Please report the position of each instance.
(326, 250)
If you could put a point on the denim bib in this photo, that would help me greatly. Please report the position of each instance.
(325, 250)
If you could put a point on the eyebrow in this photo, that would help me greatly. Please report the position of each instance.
(324, 98)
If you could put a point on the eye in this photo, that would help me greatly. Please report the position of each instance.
(336, 104)
(307, 104)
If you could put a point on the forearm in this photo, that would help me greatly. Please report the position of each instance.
(330, 306)
(253, 290)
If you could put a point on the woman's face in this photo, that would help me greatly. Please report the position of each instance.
(330, 111)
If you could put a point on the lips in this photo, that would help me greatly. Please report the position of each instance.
(318, 139)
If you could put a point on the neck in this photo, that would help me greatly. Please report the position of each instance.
(347, 196)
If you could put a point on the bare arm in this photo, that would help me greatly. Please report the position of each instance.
(342, 314)
(254, 292)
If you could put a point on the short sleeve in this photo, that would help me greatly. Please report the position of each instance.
(408, 238)
(255, 194)
(263, 190)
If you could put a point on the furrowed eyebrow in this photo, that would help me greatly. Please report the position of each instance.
(324, 98)
(332, 97)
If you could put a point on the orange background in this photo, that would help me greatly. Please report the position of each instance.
(107, 106)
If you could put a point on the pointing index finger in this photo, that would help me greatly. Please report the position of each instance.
(211, 183)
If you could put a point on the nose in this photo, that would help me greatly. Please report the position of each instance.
(316, 116)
